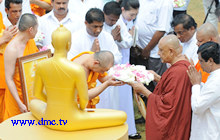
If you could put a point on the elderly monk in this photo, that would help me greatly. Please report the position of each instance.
(168, 107)
(95, 66)
(5, 36)
(22, 44)
(39, 7)
(206, 32)
(63, 80)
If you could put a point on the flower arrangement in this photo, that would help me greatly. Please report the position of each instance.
(44, 48)
(39, 36)
(179, 3)
(128, 73)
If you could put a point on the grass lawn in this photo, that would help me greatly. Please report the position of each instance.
(195, 9)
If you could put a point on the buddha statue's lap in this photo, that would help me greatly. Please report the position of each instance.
(62, 80)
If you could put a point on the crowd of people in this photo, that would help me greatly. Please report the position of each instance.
(183, 101)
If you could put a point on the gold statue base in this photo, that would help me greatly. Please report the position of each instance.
(40, 132)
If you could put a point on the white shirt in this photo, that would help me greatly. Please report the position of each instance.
(25, 7)
(190, 49)
(6, 22)
(154, 15)
(125, 35)
(82, 41)
(205, 103)
(80, 8)
(49, 23)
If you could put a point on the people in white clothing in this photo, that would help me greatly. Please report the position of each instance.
(80, 7)
(59, 15)
(205, 100)
(25, 7)
(13, 8)
(92, 38)
(115, 25)
(185, 28)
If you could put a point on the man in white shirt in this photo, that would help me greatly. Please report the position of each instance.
(13, 8)
(116, 27)
(59, 15)
(92, 38)
(153, 22)
(80, 7)
(205, 99)
(185, 28)
(25, 7)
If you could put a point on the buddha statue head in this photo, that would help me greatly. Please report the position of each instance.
(61, 39)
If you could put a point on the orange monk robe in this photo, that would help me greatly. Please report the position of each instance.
(10, 105)
(205, 75)
(91, 81)
(38, 10)
(2, 72)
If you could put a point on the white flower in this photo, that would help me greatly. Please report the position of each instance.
(39, 36)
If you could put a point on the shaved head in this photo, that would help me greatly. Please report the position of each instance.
(27, 20)
(171, 41)
(105, 58)
(208, 30)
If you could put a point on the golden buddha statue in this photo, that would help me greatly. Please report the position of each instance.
(63, 80)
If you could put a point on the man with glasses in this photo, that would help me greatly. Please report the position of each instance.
(185, 28)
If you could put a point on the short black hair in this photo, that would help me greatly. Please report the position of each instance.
(112, 7)
(27, 20)
(7, 3)
(128, 4)
(210, 50)
(94, 14)
(184, 19)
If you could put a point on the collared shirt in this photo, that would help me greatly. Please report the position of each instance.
(154, 15)
(80, 8)
(82, 41)
(190, 49)
(25, 7)
(6, 22)
(205, 103)
(49, 23)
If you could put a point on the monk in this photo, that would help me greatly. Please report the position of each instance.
(5, 36)
(169, 108)
(39, 7)
(95, 66)
(22, 44)
(63, 80)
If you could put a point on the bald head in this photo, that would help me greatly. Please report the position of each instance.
(208, 30)
(171, 41)
(27, 20)
(105, 58)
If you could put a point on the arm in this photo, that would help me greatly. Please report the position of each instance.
(42, 4)
(97, 90)
(82, 87)
(140, 88)
(38, 86)
(154, 41)
(116, 53)
(10, 57)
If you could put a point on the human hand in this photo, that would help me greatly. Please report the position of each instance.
(9, 33)
(145, 54)
(190, 61)
(22, 108)
(194, 76)
(95, 46)
(113, 82)
(131, 31)
(138, 87)
(116, 33)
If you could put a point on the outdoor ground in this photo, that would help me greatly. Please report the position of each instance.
(195, 9)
